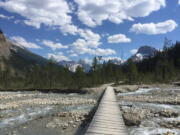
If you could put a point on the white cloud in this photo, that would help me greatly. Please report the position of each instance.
(37, 12)
(134, 51)
(88, 38)
(6, 17)
(73, 55)
(20, 41)
(88, 60)
(111, 58)
(86, 43)
(89, 43)
(118, 38)
(53, 45)
(71, 29)
(103, 52)
(154, 28)
(179, 2)
(94, 12)
(82, 46)
(89, 35)
(58, 56)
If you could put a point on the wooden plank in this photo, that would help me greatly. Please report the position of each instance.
(108, 118)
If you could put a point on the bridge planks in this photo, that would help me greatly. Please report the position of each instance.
(108, 118)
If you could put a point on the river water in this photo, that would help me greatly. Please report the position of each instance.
(17, 109)
(151, 126)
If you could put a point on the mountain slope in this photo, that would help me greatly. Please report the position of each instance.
(144, 52)
(4, 46)
(72, 65)
(17, 58)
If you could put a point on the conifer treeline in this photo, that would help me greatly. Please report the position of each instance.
(163, 67)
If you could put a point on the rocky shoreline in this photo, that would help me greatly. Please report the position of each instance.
(37, 113)
(151, 107)
(146, 109)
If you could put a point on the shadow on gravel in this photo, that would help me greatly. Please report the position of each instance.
(177, 83)
(84, 126)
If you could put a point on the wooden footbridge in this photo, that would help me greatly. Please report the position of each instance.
(108, 118)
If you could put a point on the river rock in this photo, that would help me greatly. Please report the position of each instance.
(170, 124)
(168, 113)
(169, 133)
(133, 116)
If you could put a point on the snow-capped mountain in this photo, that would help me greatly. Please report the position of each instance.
(144, 52)
(116, 61)
(72, 65)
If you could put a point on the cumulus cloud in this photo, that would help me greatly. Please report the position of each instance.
(83, 46)
(58, 13)
(53, 45)
(37, 12)
(103, 52)
(73, 55)
(154, 28)
(89, 35)
(88, 60)
(133, 51)
(118, 38)
(88, 43)
(20, 41)
(6, 17)
(94, 12)
(179, 2)
(58, 56)
(69, 29)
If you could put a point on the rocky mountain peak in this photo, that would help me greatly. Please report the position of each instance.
(147, 50)
(72, 65)
(2, 37)
(144, 52)
(4, 46)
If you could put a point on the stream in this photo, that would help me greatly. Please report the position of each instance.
(152, 125)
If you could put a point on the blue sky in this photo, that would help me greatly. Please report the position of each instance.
(81, 29)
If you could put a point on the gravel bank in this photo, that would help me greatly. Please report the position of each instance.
(150, 109)
(36, 113)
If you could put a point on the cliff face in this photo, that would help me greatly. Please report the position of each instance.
(4, 46)
(144, 52)
(147, 51)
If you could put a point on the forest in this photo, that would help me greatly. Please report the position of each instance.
(163, 67)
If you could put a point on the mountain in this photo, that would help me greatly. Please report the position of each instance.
(116, 61)
(15, 57)
(67, 63)
(144, 52)
(27, 55)
(85, 65)
(72, 65)
(4, 46)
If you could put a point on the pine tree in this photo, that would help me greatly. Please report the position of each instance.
(132, 72)
(79, 77)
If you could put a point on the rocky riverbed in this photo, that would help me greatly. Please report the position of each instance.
(150, 109)
(37, 113)
(146, 109)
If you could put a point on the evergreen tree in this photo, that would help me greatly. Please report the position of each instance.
(79, 77)
(132, 72)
